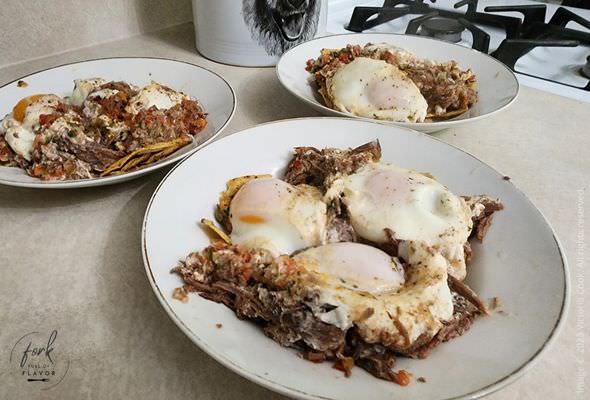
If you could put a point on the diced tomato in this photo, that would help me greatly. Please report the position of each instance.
(47, 119)
(402, 377)
(290, 266)
(344, 58)
(38, 170)
(247, 273)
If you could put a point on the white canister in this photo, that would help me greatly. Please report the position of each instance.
(255, 33)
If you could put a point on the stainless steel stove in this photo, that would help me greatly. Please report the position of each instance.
(547, 45)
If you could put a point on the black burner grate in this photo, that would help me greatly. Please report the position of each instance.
(537, 33)
(364, 18)
(522, 34)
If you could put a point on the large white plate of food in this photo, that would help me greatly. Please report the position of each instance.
(331, 258)
(104, 121)
(413, 81)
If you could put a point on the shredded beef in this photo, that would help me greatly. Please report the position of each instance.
(286, 320)
(463, 315)
(467, 293)
(95, 154)
(7, 155)
(374, 358)
(482, 207)
(320, 167)
(259, 287)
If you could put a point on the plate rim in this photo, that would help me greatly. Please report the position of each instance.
(299, 394)
(102, 181)
(409, 125)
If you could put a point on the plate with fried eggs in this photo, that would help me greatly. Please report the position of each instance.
(411, 81)
(66, 126)
(282, 242)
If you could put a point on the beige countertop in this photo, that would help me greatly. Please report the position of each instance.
(70, 259)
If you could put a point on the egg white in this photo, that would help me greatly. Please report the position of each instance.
(402, 56)
(82, 87)
(359, 285)
(375, 89)
(20, 136)
(271, 214)
(157, 95)
(414, 206)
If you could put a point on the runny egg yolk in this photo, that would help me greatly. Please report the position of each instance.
(19, 110)
(272, 214)
(375, 89)
(252, 219)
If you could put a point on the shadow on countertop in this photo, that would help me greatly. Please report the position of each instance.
(19, 198)
(278, 102)
(144, 336)
(156, 17)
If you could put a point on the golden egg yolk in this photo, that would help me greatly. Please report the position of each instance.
(18, 112)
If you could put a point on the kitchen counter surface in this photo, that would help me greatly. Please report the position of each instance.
(71, 259)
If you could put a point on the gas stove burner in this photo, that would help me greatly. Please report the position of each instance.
(481, 40)
(585, 70)
(520, 34)
(446, 29)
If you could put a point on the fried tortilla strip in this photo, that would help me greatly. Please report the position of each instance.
(447, 115)
(121, 164)
(134, 162)
(164, 153)
(211, 225)
(225, 198)
(428, 175)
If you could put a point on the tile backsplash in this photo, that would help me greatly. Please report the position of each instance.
(37, 28)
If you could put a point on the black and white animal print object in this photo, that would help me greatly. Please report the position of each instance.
(279, 25)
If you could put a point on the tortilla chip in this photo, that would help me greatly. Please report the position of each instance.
(220, 233)
(446, 115)
(134, 162)
(162, 154)
(146, 155)
(428, 175)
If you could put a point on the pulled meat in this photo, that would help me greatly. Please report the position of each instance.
(463, 315)
(263, 288)
(98, 157)
(482, 208)
(7, 156)
(271, 292)
(321, 167)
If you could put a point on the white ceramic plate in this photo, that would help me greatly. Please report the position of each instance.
(215, 95)
(497, 85)
(520, 261)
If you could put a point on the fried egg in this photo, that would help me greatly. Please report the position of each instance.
(414, 206)
(359, 285)
(154, 94)
(20, 126)
(375, 89)
(82, 87)
(271, 214)
(403, 57)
